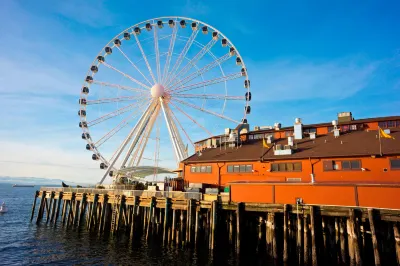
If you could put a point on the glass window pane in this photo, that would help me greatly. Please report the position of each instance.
(391, 124)
(282, 167)
(395, 163)
(249, 168)
(193, 169)
(236, 168)
(382, 124)
(198, 169)
(297, 166)
(203, 169)
(274, 167)
(208, 169)
(346, 165)
(289, 167)
(243, 168)
(355, 165)
(230, 168)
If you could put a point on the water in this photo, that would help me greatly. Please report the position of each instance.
(23, 243)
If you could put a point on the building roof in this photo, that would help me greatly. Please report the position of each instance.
(325, 124)
(352, 144)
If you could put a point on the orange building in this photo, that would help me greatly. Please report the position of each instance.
(338, 163)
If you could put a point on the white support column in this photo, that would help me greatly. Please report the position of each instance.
(174, 141)
(126, 141)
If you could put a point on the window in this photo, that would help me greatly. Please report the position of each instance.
(395, 164)
(201, 169)
(398, 123)
(243, 168)
(330, 129)
(345, 128)
(345, 165)
(251, 136)
(382, 124)
(286, 167)
(391, 123)
(310, 130)
(353, 127)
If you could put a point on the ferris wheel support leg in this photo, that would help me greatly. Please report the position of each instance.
(177, 149)
(139, 133)
(126, 141)
(177, 135)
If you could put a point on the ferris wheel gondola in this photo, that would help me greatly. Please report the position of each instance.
(148, 73)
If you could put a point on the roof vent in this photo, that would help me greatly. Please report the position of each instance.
(277, 126)
(256, 128)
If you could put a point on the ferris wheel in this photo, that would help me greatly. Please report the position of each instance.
(161, 83)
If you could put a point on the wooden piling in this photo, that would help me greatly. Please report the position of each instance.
(285, 233)
(173, 234)
(40, 211)
(314, 254)
(273, 234)
(34, 204)
(396, 235)
(102, 217)
(82, 210)
(166, 219)
(299, 248)
(76, 217)
(49, 213)
(64, 212)
(239, 221)
(374, 237)
(151, 217)
(134, 216)
(354, 235)
(197, 224)
(53, 211)
(306, 241)
(214, 223)
(60, 195)
(350, 242)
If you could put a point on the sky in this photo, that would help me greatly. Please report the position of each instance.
(307, 59)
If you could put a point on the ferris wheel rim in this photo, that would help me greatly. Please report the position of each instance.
(154, 23)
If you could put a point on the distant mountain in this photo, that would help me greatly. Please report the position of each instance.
(40, 181)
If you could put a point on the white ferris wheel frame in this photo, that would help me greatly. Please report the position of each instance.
(168, 77)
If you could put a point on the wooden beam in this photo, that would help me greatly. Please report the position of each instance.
(375, 245)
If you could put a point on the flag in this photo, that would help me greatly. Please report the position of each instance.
(265, 144)
(382, 134)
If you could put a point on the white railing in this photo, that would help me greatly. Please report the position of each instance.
(129, 193)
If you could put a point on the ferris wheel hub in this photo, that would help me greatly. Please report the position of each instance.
(157, 91)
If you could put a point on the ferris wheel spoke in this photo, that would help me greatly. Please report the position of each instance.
(127, 88)
(176, 133)
(208, 96)
(208, 82)
(145, 57)
(130, 61)
(117, 128)
(126, 141)
(194, 60)
(157, 54)
(170, 51)
(184, 131)
(113, 114)
(117, 99)
(191, 118)
(126, 75)
(181, 56)
(206, 111)
(198, 73)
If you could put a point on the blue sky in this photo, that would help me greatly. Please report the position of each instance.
(308, 59)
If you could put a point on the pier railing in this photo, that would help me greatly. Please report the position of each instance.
(129, 193)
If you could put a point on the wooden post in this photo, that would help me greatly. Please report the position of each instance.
(350, 241)
(82, 210)
(134, 216)
(197, 224)
(48, 214)
(166, 219)
(40, 211)
(188, 221)
(214, 223)
(306, 248)
(268, 238)
(230, 229)
(64, 212)
(58, 206)
(34, 204)
(313, 238)
(397, 241)
(355, 237)
(285, 233)
(76, 218)
(151, 217)
(374, 237)
(182, 232)
(273, 234)
(173, 225)
(343, 250)
(298, 240)
(103, 213)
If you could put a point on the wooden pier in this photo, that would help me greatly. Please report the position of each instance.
(299, 234)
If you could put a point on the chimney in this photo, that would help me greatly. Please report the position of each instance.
(336, 132)
(298, 129)
(277, 126)
(290, 141)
